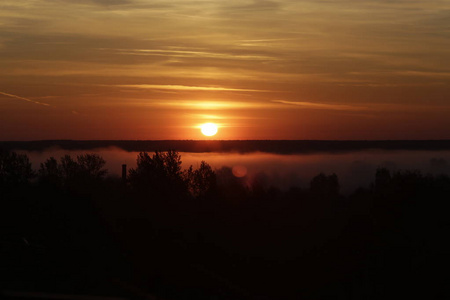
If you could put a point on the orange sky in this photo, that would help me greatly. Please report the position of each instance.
(286, 69)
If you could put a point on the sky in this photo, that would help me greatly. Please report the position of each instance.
(259, 69)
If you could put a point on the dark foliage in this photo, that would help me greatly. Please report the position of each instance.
(15, 169)
(160, 173)
(201, 182)
(87, 169)
(173, 233)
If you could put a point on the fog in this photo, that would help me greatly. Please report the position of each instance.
(354, 169)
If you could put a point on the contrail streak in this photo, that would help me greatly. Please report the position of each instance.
(24, 99)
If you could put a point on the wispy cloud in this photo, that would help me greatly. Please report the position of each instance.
(24, 99)
(424, 74)
(369, 107)
(323, 105)
(195, 54)
(208, 105)
(185, 88)
(219, 117)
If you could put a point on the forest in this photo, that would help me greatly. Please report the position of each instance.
(167, 231)
(226, 146)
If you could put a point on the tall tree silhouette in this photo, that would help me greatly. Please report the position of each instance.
(15, 169)
(50, 173)
(201, 181)
(159, 174)
(325, 185)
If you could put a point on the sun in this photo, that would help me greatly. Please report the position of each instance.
(209, 129)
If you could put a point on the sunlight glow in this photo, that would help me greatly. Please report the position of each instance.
(209, 129)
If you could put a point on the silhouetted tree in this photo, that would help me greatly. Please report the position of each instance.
(14, 169)
(230, 186)
(382, 179)
(84, 172)
(91, 166)
(325, 185)
(386, 240)
(160, 173)
(50, 173)
(259, 184)
(201, 181)
(69, 168)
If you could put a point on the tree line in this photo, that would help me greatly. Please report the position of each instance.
(176, 233)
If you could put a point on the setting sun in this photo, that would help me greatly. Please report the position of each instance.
(209, 129)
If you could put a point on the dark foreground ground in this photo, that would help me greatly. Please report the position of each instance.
(68, 231)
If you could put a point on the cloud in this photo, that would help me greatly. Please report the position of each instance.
(24, 99)
(253, 6)
(110, 2)
(380, 107)
(195, 54)
(323, 105)
(201, 116)
(424, 74)
(209, 105)
(185, 88)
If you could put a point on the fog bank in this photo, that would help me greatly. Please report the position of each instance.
(354, 169)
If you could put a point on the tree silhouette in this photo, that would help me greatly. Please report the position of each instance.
(15, 169)
(231, 189)
(50, 173)
(158, 174)
(382, 179)
(201, 181)
(87, 169)
(325, 185)
(91, 166)
(69, 168)
(375, 243)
